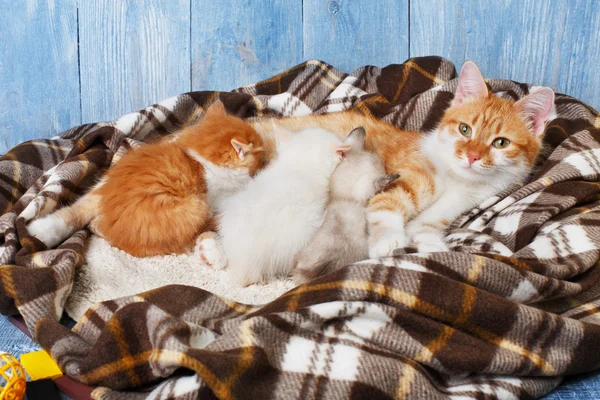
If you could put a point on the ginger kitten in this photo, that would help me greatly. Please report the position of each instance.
(483, 145)
(160, 197)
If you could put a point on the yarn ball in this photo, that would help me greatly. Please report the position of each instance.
(12, 378)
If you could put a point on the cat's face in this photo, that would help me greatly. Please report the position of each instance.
(355, 177)
(228, 141)
(488, 139)
(242, 145)
(485, 138)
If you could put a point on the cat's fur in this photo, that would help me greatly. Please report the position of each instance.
(265, 225)
(342, 239)
(160, 197)
(437, 182)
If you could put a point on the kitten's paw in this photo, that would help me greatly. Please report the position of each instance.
(93, 227)
(429, 242)
(209, 251)
(50, 230)
(240, 280)
(386, 244)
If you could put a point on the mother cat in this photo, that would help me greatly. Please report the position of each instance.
(483, 145)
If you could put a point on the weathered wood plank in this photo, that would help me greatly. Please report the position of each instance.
(133, 54)
(580, 58)
(238, 42)
(39, 85)
(546, 42)
(352, 33)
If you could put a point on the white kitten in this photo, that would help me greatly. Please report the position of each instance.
(266, 224)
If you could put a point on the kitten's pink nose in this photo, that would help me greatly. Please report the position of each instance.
(472, 157)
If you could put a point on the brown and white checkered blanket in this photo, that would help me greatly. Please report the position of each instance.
(510, 311)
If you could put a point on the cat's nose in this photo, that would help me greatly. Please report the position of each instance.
(472, 157)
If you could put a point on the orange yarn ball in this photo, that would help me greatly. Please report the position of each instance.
(12, 378)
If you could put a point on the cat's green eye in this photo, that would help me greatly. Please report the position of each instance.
(500, 143)
(464, 130)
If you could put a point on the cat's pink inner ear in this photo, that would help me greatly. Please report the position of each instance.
(342, 150)
(216, 109)
(241, 148)
(471, 85)
(535, 109)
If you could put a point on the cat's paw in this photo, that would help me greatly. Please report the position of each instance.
(94, 227)
(209, 251)
(429, 242)
(386, 244)
(50, 230)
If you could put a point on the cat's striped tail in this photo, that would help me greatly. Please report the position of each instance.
(55, 228)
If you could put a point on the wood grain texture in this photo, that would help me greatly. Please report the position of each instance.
(39, 85)
(133, 54)
(238, 42)
(351, 33)
(546, 42)
(580, 59)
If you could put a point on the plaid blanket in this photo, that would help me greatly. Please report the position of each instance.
(513, 308)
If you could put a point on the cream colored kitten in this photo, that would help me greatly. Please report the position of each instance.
(342, 239)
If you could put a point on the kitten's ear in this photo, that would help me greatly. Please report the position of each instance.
(281, 134)
(342, 150)
(535, 108)
(356, 138)
(216, 109)
(384, 181)
(471, 84)
(241, 148)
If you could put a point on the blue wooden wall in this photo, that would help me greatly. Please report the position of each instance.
(67, 62)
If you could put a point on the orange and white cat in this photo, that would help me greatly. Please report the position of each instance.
(160, 197)
(484, 144)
